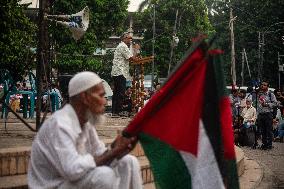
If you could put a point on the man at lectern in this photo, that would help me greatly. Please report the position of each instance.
(120, 71)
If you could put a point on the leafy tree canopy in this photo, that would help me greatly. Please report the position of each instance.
(106, 17)
(17, 36)
(252, 16)
(192, 19)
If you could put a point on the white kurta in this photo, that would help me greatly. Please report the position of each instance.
(62, 157)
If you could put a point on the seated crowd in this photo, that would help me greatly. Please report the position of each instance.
(257, 114)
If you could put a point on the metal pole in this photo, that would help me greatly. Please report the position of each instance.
(259, 61)
(261, 47)
(233, 63)
(246, 59)
(262, 52)
(153, 47)
(130, 30)
(243, 66)
(279, 76)
(172, 44)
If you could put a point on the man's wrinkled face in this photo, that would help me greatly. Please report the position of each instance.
(95, 99)
(95, 102)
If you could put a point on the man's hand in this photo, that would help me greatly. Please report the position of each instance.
(134, 59)
(119, 148)
(122, 145)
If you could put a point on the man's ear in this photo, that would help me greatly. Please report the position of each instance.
(84, 98)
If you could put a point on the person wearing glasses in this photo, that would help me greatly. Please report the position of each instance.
(266, 102)
(120, 71)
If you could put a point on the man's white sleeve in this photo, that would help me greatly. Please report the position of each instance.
(72, 165)
(126, 52)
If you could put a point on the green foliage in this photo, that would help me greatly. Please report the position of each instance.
(106, 18)
(192, 19)
(105, 69)
(71, 64)
(16, 38)
(252, 16)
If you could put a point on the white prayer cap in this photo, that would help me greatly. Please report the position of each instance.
(82, 81)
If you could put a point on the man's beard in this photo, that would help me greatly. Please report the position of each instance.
(98, 119)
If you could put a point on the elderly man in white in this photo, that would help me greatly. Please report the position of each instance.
(67, 152)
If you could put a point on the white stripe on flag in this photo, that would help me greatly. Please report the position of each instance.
(204, 169)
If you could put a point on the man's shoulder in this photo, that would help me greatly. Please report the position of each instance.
(54, 120)
(271, 95)
(121, 44)
(267, 93)
(119, 48)
(60, 119)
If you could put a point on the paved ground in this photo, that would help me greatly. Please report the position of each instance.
(16, 134)
(272, 161)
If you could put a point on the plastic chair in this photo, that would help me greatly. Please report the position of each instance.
(53, 95)
(54, 101)
(27, 95)
(7, 81)
(25, 105)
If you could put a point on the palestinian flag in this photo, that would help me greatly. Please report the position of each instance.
(186, 128)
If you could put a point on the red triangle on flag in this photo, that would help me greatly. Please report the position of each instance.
(173, 113)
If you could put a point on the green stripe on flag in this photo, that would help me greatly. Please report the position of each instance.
(233, 181)
(167, 165)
